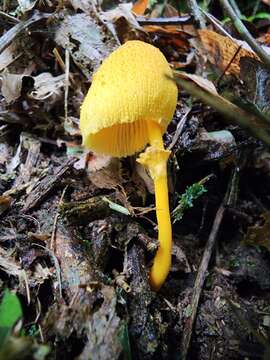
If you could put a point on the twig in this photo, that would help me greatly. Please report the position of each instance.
(195, 11)
(175, 20)
(243, 31)
(230, 111)
(56, 219)
(202, 271)
(66, 83)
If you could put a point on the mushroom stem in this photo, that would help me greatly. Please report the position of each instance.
(155, 159)
(162, 260)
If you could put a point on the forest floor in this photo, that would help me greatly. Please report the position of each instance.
(78, 231)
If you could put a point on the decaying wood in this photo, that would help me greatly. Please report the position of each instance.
(92, 209)
(45, 186)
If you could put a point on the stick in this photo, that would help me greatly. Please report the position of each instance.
(175, 20)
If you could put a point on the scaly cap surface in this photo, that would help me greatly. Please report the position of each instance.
(131, 86)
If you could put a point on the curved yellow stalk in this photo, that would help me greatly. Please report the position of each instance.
(155, 159)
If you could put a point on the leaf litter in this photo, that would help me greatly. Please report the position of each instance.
(77, 229)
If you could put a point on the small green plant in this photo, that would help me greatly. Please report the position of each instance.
(14, 344)
(10, 313)
(187, 199)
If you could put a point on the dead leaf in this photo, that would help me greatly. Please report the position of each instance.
(104, 171)
(103, 330)
(199, 80)
(123, 24)
(222, 51)
(259, 234)
(256, 78)
(46, 85)
(148, 181)
(84, 5)
(5, 153)
(174, 36)
(26, 5)
(11, 86)
(81, 35)
(140, 6)
(10, 54)
(5, 202)
(122, 10)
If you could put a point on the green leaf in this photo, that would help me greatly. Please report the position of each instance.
(261, 15)
(10, 313)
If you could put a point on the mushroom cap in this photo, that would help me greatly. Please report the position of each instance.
(132, 86)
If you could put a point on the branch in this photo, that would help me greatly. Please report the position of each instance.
(236, 115)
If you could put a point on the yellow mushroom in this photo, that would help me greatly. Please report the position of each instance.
(129, 104)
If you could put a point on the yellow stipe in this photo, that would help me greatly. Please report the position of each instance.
(155, 134)
(162, 260)
(155, 159)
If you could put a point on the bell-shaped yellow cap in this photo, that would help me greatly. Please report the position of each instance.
(133, 85)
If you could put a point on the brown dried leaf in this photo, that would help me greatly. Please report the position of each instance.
(5, 202)
(104, 171)
(140, 6)
(222, 51)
